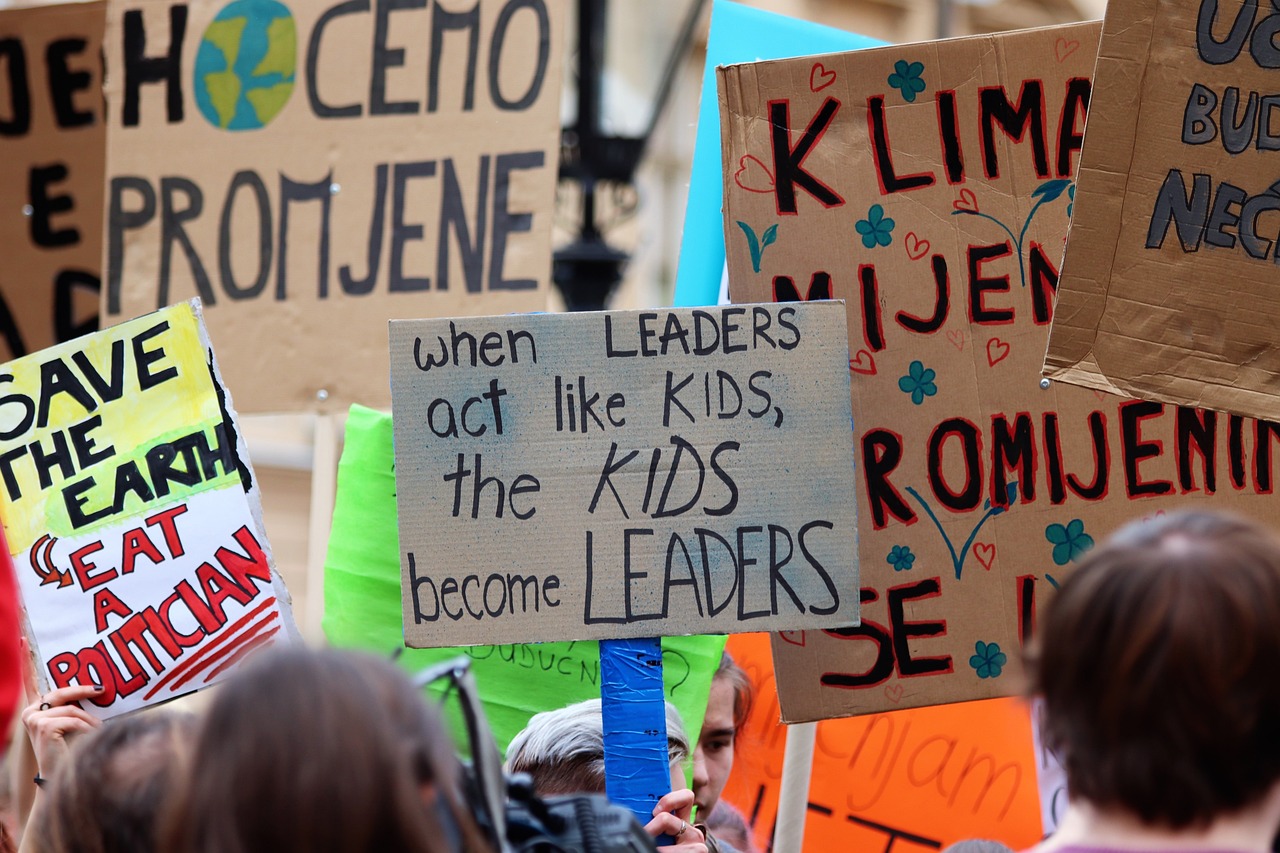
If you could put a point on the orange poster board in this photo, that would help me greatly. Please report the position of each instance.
(898, 782)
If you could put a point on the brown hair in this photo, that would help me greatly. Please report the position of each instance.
(107, 797)
(1158, 663)
(743, 692)
(303, 751)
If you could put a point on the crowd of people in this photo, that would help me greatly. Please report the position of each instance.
(1156, 661)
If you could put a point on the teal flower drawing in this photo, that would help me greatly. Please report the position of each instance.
(876, 230)
(919, 383)
(1069, 541)
(901, 558)
(988, 660)
(906, 79)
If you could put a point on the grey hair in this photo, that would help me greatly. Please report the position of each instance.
(567, 746)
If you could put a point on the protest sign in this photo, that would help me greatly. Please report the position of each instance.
(908, 782)
(623, 474)
(1166, 283)
(411, 173)
(52, 152)
(132, 516)
(930, 186)
(515, 680)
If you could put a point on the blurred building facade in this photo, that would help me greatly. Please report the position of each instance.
(649, 223)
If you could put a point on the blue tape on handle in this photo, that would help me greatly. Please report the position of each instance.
(637, 770)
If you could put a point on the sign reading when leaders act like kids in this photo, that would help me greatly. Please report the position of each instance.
(311, 169)
(1168, 283)
(623, 474)
(52, 153)
(930, 186)
(132, 514)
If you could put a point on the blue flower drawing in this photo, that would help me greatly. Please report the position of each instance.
(901, 558)
(906, 79)
(1069, 541)
(988, 660)
(875, 229)
(919, 383)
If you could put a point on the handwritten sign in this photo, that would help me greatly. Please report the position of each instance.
(52, 152)
(1167, 283)
(310, 170)
(930, 186)
(623, 474)
(132, 514)
(515, 680)
(908, 782)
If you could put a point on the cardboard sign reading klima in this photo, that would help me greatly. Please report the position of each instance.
(320, 167)
(930, 186)
(132, 514)
(1168, 283)
(623, 474)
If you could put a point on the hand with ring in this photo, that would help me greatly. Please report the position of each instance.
(671, 818)
(55, 719)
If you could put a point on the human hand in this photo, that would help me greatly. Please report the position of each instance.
(671, 818)
(52, 721)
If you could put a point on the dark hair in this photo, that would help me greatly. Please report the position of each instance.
(743, 692)
(1158, 663)
(107, 797)
(304, 750)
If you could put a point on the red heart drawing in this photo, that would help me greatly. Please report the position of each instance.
(820, 78)
(893, 693)
(752, 175)
(1062, 48)
(916, 248)
(985, 553)
(957, 339)
(997, 351)
(967, 201)
(795, 638)
(863, 362)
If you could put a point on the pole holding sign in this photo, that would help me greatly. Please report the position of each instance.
(132, 516)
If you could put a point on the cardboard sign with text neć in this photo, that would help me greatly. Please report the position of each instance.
(1168, 283)
(310, 170)
(623, 474)
(930, 187)
(132, 514)
(52, 152)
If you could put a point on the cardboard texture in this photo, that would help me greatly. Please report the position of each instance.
(908, 782)
(311, 170)
(623, 474)
(515, 680)
(52, 156)
(133, 516)
(1167, 289)
(978, 486)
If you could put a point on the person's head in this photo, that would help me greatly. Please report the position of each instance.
(728, 706)
(563, 750)
(315, 751)
(728, 825)
(1157, 663)
(110, 793)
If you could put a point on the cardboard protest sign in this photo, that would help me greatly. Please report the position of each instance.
(52, 153)
(516, 680)
(411, 173)
(1167, 283)
(930, 186)
(908, 782)
(132, 516)
(623, 474)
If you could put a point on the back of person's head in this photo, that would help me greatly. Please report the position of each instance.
(727, 824)
(110, 793)
(563, 750)
(299, 751)
(743, 693)
(1158, 660)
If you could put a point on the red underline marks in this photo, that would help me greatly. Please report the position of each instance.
(226, 635)
(234, 659)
